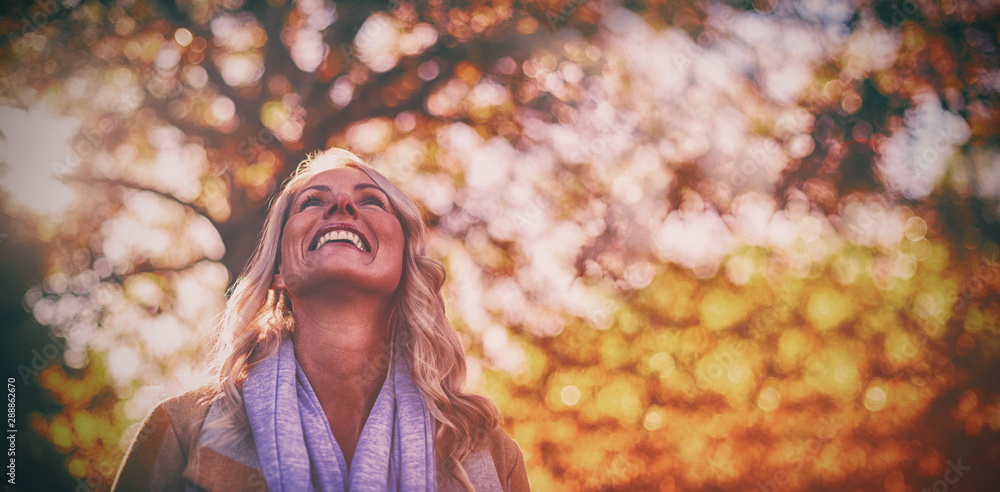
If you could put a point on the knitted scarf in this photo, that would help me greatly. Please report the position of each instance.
(296, 447)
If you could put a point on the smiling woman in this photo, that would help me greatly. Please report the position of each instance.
(337, 368)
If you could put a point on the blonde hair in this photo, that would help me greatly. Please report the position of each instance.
(257, 318)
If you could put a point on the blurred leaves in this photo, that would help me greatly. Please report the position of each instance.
(690, 245)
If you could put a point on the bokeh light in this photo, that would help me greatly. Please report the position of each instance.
(689, 245)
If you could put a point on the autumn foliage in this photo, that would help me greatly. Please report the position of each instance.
(690, 245)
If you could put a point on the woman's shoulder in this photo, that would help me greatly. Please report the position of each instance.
(507, 458)
(156, 458)
(192, 405)
(502, 447)
(184, 414)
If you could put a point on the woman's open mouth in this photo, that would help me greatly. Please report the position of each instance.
(341, 234)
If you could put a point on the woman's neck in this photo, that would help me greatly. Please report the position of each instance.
(344, 351)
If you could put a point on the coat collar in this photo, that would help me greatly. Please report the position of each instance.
(225, 459)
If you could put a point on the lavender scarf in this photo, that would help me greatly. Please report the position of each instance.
(296, 447)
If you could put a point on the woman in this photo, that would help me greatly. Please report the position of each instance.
(337, 368)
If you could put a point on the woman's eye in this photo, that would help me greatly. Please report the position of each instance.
(308, 202)
(373, 200)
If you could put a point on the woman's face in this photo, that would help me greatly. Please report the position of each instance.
(341, 233)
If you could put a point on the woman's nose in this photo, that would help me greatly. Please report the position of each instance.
(342, 204)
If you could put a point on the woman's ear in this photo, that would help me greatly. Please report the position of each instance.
(277, 281)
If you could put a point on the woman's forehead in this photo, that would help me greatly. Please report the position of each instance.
(346, 175)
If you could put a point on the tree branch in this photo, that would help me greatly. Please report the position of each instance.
(92, 180)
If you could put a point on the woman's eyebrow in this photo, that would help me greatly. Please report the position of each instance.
(315, 187)
(357, 187)
(361, 186)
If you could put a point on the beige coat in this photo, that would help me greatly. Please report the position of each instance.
(166, 455)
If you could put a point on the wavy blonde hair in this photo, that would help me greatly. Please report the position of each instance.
(257, 318)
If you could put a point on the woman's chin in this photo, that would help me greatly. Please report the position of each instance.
(345, 281)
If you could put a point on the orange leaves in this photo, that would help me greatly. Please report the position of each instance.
(809, 383)
(721, 309)
(828, 309)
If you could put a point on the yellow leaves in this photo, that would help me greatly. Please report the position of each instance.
(77, 467)
(145, 288)
(567, 388)
(614, 351)
(732, 370)
(974, 320)
(769, 397)
(215, 198)
(596, 395)
(620, 399)
(258, 174)
(876, 395)
(273, 113)
(652, 347)
(588, 459)
(61, 433)
(914, 37)
(537, 361)
(724, 461)
(628, 321)
(693, 342)
(692, 449)
(935, 300)
(87, 428)
(662, 364)
(721, 309)
(920, 249)
(653, 419)
(900, 347)
(570, 395)
(468, 72)
(671, 295)
(836, 371)
(529, 435)
(937, 261)
(73, 392)
(793, 347)
(828, 308)
(53, 376)
(878, 321)
(578, 343)
(675, 383)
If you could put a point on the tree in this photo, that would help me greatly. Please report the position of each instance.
(697, 227)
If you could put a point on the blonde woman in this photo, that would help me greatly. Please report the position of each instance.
(337, 368)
